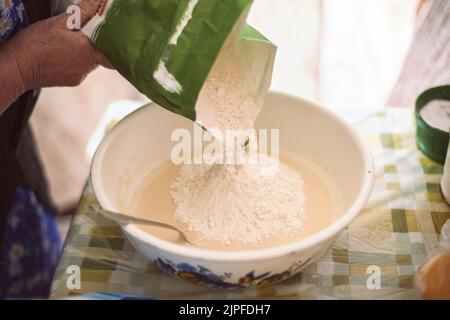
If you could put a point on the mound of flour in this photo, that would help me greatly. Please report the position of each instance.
(235, 203)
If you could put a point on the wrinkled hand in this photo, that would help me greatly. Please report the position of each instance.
(49, 54)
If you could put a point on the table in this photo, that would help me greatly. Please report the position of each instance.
(394, 234)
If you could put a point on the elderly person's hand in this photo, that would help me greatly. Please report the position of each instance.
(47, 54)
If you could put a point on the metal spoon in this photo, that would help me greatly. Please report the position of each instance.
(126, 219)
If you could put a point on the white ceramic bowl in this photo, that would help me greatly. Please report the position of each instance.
(141, 142)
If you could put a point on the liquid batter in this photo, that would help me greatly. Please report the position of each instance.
(152, 200)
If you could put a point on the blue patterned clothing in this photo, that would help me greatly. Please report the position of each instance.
(29, 239)
(31, 248)
(13, 17)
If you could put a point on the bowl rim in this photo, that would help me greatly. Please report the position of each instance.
(317, 238)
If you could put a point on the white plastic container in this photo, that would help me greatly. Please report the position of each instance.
(445, 182)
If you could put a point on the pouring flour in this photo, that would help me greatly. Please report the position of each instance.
(202, 61)
(229, 202)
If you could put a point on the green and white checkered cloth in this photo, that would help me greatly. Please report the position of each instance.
(398, 229)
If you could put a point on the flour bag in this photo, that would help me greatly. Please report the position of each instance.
(167, 48)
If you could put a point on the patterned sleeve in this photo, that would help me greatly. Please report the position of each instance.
(13, 17)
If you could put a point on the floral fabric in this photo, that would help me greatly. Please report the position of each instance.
(31, 249)
(13, 17)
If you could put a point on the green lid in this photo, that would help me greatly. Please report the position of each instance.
(431, 141)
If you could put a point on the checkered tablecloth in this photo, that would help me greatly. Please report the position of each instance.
(397, 230)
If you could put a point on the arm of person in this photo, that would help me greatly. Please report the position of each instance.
(47, 54)
(11, 82)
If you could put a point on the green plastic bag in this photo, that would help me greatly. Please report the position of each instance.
(166, 48)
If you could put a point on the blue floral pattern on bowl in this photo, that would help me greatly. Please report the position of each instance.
(205, 277)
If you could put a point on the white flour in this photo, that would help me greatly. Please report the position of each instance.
(437, 114)
(223, 102)
(235, 203)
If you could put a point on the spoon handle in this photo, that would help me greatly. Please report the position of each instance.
(126, 219)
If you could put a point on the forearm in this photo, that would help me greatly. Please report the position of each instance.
(12, 83)
(47, 54)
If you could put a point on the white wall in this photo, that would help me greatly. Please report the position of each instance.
(364, 44)
(345, 53)
(294, 26)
